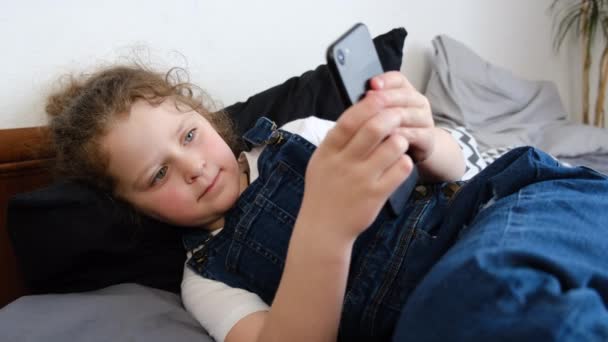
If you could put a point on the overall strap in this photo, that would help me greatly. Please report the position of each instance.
(264, 132)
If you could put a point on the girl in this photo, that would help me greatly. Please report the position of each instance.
(295, 242)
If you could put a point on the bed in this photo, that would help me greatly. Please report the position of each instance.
(61, 282)
(24, 166)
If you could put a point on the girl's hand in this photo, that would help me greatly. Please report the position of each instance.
(362, 159)
(418, 126)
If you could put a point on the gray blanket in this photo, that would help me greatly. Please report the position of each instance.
(501, 109)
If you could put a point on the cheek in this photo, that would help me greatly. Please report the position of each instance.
(170, 203)
(218, 150)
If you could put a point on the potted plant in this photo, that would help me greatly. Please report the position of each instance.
(585, 18)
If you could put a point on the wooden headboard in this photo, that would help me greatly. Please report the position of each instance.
(26, 161)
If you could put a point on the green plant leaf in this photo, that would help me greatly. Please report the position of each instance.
(571, 16)
(568, 18)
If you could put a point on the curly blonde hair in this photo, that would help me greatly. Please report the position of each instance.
(81, 112)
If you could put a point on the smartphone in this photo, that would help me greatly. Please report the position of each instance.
(353, 60)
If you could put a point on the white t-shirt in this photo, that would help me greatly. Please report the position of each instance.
(215, 305)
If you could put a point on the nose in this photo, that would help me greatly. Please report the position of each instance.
(192, 168)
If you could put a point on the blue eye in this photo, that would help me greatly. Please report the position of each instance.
(159, 175)
(190, 136)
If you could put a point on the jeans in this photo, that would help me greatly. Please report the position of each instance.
(528, 263)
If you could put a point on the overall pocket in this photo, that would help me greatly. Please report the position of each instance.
(423, 244)
(382, 278)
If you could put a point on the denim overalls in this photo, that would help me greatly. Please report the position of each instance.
(389, 259)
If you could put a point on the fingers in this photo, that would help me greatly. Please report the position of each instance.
(374, 132)
(396, 97)
(421, 141)
(349, 123)
(366, 124)
(396, 174)
(390, 79)
(390, 89)
(372, 104)
(413, 106)
(390, 165)
(410, 122)
(387, 153)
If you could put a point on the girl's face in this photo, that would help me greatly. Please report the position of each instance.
(172, 165)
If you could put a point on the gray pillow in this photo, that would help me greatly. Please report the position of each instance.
(496, 106)
(568, 139)
(124, 312)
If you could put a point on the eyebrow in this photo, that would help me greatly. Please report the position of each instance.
(181, 126)
(139, 179)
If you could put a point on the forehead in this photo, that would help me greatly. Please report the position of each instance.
(145, 115)
(147, 120)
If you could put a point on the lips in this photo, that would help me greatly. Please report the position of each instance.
(210, 187)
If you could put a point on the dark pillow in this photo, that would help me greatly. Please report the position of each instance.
(69, 237)
(313, 92)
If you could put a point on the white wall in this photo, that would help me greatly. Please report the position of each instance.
(236, 48)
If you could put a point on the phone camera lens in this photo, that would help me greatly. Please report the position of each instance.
(341, 57)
